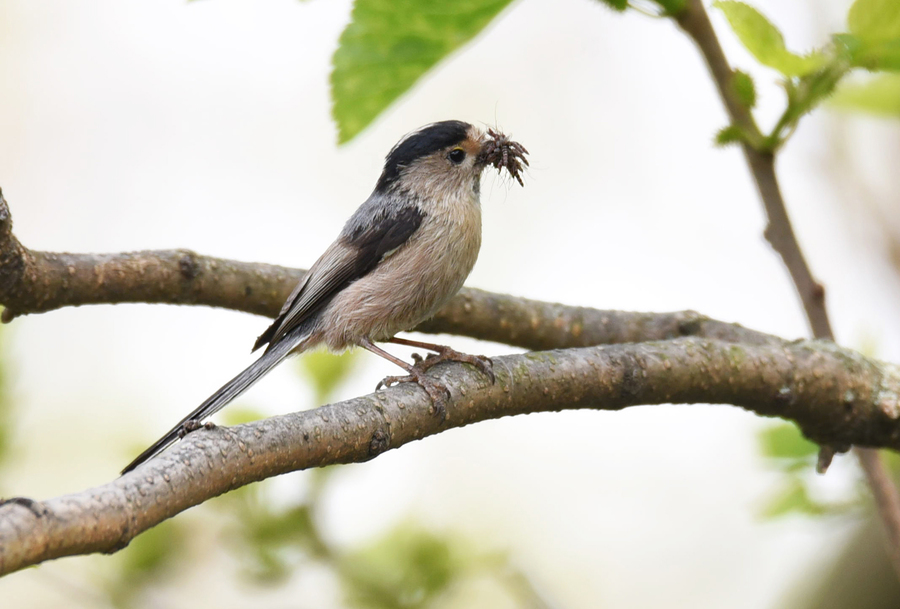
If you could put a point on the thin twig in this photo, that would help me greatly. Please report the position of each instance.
(780, 234)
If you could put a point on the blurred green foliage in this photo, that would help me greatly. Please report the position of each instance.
(269, 542)
(879, 95)
(786, 450)
(785, 443)
(326, 371)
(875, 21)
(149, 558)
(406, 567)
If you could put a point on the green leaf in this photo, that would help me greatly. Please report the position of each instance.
(875, 20)
(389, 45)
(744, 88)
(765, 41)
(786, 442)
(879, 96)
(617, 5)
(732, 134)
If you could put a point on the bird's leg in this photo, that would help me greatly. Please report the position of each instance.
(446, 354)
(435, 390)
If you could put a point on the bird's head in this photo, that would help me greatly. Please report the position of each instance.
(447, 158)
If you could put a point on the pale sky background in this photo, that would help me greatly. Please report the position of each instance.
(148, 125)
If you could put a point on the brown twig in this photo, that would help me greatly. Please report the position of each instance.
(780, 234)
(834, 395)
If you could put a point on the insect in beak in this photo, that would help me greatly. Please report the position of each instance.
(500, 151)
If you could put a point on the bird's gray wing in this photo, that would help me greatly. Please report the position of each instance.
(364, 242)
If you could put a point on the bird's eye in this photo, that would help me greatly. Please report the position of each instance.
(457, 156)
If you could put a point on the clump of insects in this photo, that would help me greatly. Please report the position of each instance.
(501, 152)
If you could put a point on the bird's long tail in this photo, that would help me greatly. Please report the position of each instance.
(229, 391)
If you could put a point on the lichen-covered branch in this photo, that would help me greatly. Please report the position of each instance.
(835, 395)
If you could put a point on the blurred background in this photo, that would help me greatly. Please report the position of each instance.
(206, 125)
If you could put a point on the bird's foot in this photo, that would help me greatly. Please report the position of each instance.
(434, 388)
(446, 354)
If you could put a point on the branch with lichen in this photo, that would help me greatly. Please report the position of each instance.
(834, 394)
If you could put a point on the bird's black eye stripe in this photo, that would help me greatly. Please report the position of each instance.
(456, 156)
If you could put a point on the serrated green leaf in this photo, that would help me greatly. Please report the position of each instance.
(879, 96)
(731, 134)
(617, 5)
(744, 88)
(389, 45)
(786, 442)
(875, 21)
(765, 41)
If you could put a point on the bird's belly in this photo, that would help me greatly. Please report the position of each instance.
(405, 289)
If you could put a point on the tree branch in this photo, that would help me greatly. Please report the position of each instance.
(39, 282)
(834, 394)
(780, 234)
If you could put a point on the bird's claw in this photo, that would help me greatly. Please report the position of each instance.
(194, 425)
(435, 389)
(446, 354)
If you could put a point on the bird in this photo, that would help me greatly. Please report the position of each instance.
(399, 258)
